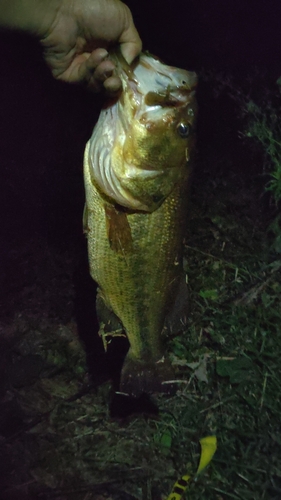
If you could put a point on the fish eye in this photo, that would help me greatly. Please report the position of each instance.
(183, 130)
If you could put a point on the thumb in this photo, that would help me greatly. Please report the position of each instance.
(130, 43)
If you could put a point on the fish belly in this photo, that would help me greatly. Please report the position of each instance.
(140, 282)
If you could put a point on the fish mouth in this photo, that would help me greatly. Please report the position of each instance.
(157, 83)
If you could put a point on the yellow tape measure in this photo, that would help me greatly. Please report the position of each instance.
(208, 449)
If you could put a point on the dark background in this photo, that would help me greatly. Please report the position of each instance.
(45, 124)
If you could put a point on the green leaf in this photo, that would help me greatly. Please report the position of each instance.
(166, 439)
(237, 370)
(209, 294)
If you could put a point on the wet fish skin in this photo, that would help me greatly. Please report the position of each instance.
(135, 247)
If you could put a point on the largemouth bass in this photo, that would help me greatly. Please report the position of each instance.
(136, 168)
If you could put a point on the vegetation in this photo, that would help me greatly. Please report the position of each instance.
(264, 126)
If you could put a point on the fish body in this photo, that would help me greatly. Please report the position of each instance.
(136, 168)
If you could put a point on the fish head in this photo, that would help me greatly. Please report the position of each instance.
(152, 133)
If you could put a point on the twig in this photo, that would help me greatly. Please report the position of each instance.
(252, 294)
(217, 258)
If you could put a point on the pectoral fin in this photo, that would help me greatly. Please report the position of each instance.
(118, 230)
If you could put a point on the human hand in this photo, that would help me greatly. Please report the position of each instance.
(75, 43)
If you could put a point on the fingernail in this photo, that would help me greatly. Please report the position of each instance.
(103, 54)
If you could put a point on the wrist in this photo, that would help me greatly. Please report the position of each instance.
(32, 16)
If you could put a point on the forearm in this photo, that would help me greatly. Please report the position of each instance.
(33, 16)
